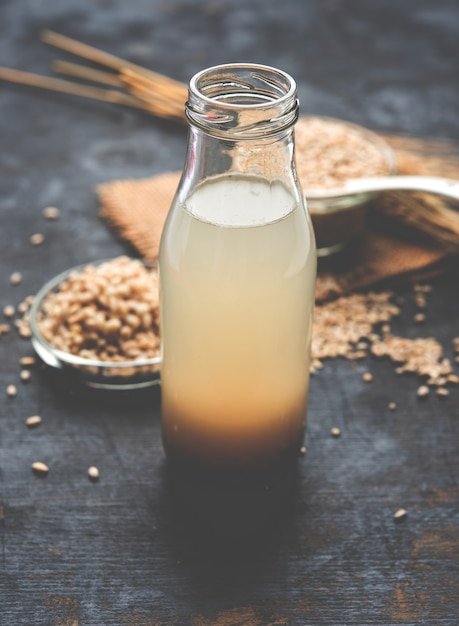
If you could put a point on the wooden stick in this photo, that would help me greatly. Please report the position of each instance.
(162, 99)
(157, 101)
(99, 56)
(80, 71)
(157, 96)
(65, 86)
(177, 92)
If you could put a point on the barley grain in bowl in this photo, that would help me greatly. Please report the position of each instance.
(100, 321)
(329, 153)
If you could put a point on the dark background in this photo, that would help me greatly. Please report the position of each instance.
(114, 552)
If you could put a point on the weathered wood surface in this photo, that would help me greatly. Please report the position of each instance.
(116, 551)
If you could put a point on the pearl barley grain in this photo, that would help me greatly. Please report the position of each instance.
(25, 376)
(39, 468)
(37, 239)
(419, 318)
(108, 312)
(423, 391)
(323, 149)
(51, 213)
(9, 311)
(93, 473)
(442, 392)
(33, 420)
(400, 515)
(11, 391)
(27, 361)
(15, 278)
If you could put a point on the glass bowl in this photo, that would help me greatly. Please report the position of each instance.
(95, 373)
(338, 221)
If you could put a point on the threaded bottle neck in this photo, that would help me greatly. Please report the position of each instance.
(241, 101)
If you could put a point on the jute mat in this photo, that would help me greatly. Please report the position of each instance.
(397, 244)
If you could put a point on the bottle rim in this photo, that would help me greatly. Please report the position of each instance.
(243, 100)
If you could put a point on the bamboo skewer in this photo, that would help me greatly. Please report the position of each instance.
(153, 93)
(177, 91)
(147, 90)
(166, 101)
(164, 96)
(101, 57)
(156, 92)
(157, 100)
(80, 71)
(69, 87)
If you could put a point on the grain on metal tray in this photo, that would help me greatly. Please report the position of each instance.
(330, 152)
(108, 312)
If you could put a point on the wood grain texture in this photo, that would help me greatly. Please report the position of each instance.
(120, 551)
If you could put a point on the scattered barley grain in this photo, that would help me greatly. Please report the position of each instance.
(400, 515)
(51, 213)
(11, 391)
(93, 473)
(39, 468)
(33, 420)
(37, 239)
(423, 391)
(15, 278)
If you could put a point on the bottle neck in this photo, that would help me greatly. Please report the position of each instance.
(242, 101)
(241, 120)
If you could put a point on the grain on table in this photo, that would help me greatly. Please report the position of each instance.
(27, 361)
(93, 473)
(25, 375)
(9, 311)
(39, 468)
(15, 278)
(37, 239)
(11, 391)
(33, 421)
(51, 213)
(400, 515)
(423, 391)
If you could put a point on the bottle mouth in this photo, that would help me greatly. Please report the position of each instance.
(242, 100)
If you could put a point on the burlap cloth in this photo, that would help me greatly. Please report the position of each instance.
(396, 244)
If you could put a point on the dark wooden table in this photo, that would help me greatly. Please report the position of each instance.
(117, 551)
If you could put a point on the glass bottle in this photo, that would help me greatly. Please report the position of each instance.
(237, 274)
